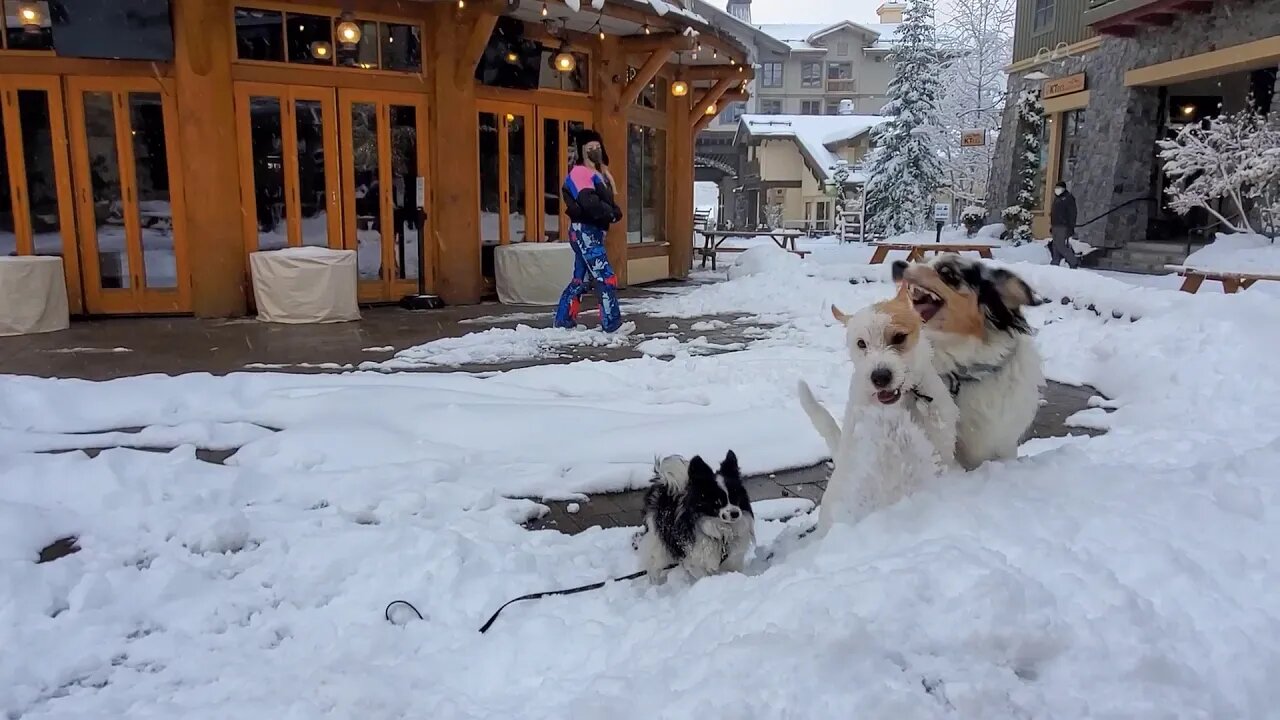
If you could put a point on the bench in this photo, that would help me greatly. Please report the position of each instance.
(710, 253)
(1232, 282)
(916, 251)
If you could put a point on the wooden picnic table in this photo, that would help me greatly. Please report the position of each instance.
(712, 239)
(1232, 282)
(916, 251)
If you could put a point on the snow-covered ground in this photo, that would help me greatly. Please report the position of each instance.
(1130, 575)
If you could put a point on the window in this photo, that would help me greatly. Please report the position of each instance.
(842, 48)
(654, 95)
(39, 36)
(730, 115)
(1046, 132)
(646, 183)
(511, 60)
(771, 107)
(1042, 17)
(811, 75)
(810, 107)
(1072, 135)
(305, 39)
(771, 74)
(840, 77)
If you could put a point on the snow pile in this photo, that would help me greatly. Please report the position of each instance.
(762, 258)
(1129, 575)
(498, 345)
(1237, 253)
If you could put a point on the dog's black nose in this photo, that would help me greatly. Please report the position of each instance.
(881, 377)
(899, 269)
(734, 514)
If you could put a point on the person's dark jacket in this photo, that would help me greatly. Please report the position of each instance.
(589, 199)
(1063, 212)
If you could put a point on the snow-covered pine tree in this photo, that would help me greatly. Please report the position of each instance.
(1017, 218)
(839, 184)
(905, 169)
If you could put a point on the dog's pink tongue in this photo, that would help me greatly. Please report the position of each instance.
(926, 310)
(887, 396)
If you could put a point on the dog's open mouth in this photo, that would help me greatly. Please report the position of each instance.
(926, 303)
(889, 397)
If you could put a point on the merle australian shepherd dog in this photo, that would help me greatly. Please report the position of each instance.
(697, 518)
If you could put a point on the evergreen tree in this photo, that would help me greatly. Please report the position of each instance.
(1017, 218)
(905, 170)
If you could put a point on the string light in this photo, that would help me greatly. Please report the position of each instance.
(462, 4)
(544, 10)
(647, 31)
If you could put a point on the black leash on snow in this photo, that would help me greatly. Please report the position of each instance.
(532, 596)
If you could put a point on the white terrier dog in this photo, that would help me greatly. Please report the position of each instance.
(900, 422)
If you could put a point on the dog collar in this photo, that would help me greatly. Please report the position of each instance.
(921, 396)
(973, 373)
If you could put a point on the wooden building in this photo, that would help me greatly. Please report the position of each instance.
(154, 144)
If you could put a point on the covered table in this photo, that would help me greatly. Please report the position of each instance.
(305, 285)
(532, 273)
(33, 295)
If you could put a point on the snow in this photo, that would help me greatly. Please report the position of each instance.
(1126, 575)
(1242, 253)
(801, 36)
(815, 133)
(499, 345)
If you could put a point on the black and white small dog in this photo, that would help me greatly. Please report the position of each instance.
(696, 517)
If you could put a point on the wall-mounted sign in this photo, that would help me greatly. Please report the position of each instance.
(1063, 86)
(942, 212)
(973, 138)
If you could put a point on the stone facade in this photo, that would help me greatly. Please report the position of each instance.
(1119, 164)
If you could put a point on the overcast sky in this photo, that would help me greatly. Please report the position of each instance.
(810, 11)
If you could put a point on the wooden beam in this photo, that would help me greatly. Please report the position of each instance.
(673, 42)
(715, 72)
(1157, 19)
(646, 73)
(1126, 31)
(473, 49)
(702, 123)
(710, 98)
(1197, 6)
(736, 96)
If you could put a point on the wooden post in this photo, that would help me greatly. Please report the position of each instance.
(610, 73)
(207, 127)
(455, 147)
(679, 187)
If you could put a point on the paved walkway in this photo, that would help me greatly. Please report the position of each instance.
(120, 347)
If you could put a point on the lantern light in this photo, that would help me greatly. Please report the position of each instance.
(565, 61)
(711, 109)
(349, 32)
(30, 16)
(679, 88)
(321, 50)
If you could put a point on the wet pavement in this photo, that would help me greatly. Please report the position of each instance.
(120, 347)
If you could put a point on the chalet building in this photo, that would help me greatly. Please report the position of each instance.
(1115, 76)
(154, 144)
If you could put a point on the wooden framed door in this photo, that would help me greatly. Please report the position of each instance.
(384, 165)
(124, 150)
(509, 190)
(37, 213)
(289, 180)
(557, 129)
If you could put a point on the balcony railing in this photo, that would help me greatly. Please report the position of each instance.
(845, 85)
(1124, 17)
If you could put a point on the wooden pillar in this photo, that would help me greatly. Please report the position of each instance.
(679, 186)
(609, 77)
(455, 204)
(207, 130)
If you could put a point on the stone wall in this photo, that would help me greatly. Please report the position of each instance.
(1119, 162)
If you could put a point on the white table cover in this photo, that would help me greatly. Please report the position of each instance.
(305, 285)
(532, 273)
(33, 295)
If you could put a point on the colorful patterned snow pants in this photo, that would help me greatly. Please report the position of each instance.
(589, 259)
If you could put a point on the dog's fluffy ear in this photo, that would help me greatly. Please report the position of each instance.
(700, 469)
(899, 269)
(839, 315)
(673, 471)
(729, 468)
(1013, 291)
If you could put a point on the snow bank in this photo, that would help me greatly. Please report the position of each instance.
(1129, 575)
(1237, 253)
(765, 257)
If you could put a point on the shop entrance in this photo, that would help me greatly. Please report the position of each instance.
(125, 160)
(338, 168)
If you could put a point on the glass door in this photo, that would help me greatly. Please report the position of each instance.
(36, 206)
(509, 190)
(289, 166)
(557, 130)
(384, 168)
(124, 149)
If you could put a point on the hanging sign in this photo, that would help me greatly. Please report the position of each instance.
(973, 138)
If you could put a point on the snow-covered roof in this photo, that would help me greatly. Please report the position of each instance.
(803, 36)
(817, 136)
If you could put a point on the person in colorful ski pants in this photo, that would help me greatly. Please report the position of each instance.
(590, 205)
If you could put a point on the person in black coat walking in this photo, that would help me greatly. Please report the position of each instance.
(1062, 225)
